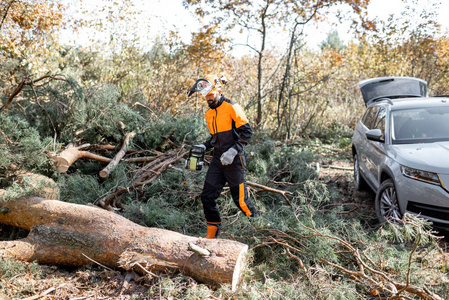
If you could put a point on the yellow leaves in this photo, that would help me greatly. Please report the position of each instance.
(25, 26)
(333, 57)
(206, 44)
(373, 292)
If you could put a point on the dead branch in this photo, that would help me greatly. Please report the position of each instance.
(145, 175)
(25, 81)
(105, 201)
(71, 154)
(384, 282)
(45, 293)
(198, 250)
(336, 167)
(101, 147)
(167, 141)
(366, 271)
(114, 162)
(144, 106)
(140, 159)
(272, 190)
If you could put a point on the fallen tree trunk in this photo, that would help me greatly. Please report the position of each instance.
(71, 234)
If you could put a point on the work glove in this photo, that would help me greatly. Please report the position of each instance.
(228, 157)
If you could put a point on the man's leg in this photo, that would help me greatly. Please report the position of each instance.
(213, 186)
(236, 176)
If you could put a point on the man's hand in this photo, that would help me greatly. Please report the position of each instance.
(228, 157)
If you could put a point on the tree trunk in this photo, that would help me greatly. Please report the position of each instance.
(75, 235)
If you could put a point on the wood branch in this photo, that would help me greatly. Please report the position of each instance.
(144, 176)
(158, 168)
(336, 167)
(66, 233)
(105, 202)
(268, 189)
(25, 81)
(14, 93)
(383, 281)
(140, 159)
(167, 141)
(198, 250)
(102, 147)
(71, 154)
(114, 162)
(144, 106)
(45, 293)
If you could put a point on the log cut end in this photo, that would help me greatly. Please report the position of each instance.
(61, 164)
(239, 267)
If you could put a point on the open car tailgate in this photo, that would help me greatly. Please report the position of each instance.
(392, 88)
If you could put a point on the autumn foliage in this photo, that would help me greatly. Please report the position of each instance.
(296, 97)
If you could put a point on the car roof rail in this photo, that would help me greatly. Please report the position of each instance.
(384, 99)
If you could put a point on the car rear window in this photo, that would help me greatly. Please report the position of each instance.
(423, 125)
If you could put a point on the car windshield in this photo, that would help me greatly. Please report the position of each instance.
(423, 125)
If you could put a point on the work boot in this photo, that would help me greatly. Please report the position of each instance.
(212, 230)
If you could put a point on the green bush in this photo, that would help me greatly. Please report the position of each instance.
(22, 147)
(259, 155)
(292, 164)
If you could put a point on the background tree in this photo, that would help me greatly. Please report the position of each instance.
(28, 39)
(311, 246)
(259, 16)
(333, 41)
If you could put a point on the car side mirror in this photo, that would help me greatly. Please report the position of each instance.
(374, 135)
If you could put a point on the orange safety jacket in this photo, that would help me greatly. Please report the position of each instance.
(228, 127)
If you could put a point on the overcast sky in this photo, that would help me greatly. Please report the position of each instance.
(176, 17)
(161, 16)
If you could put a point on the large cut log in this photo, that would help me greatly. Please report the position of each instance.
(75, 235)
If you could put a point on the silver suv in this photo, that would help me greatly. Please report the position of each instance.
(401, 149)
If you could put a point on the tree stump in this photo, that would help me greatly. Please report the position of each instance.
(75, 235)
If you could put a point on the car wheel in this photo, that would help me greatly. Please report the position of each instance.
(386, 204)
(359, 183)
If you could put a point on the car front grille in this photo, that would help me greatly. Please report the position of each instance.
(437, 212)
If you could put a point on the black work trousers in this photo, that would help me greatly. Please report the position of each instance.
(216, 177)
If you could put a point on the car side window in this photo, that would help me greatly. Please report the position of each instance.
(380, 120)
(369, 118)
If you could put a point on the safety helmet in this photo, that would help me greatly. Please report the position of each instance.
(207, 85)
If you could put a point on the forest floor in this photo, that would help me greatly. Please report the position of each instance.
(32, 281)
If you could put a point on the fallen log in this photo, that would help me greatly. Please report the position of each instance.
(75, 235)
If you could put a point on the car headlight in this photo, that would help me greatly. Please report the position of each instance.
(420, 175)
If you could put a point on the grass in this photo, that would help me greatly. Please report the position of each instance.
(294, 249)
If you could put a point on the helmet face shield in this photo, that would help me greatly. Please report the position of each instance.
(202, 86)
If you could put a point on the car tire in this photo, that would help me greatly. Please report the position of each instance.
(359, 182)
(386, 203)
